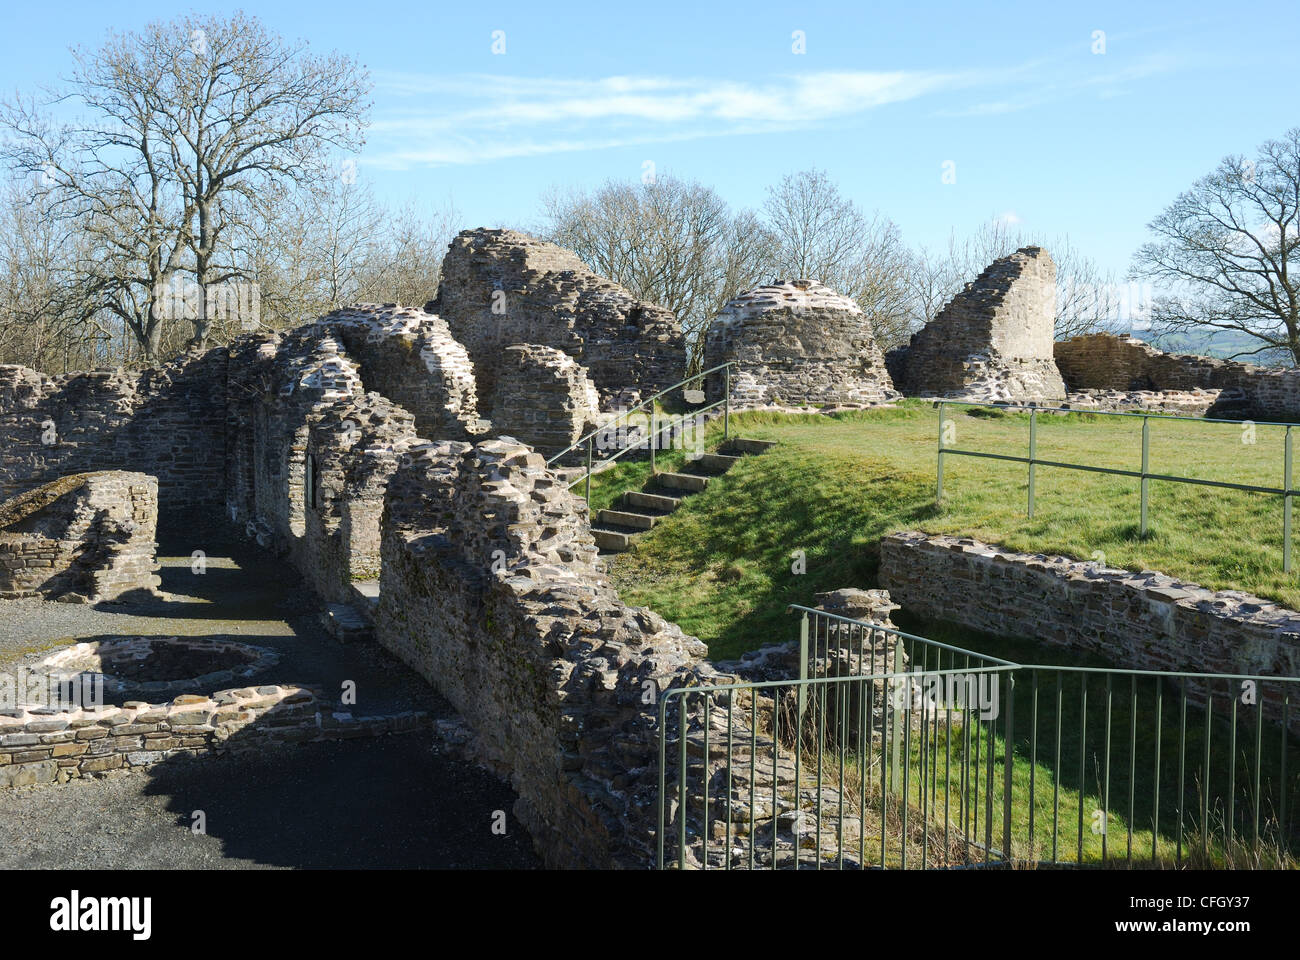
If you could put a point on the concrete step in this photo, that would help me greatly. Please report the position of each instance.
(681, 481)
(345, 622)
(737, 446)
(714, 463)
(651, 501)
(611, 541)
(625, 518)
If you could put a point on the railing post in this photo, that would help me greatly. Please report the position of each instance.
(1286, 505)
(803, 666)
(587, 495)
(896, 733)
(726, 402)
(1033, 453)
(938, 490)
(1146, 453)
(1008, 764)
(654, 437)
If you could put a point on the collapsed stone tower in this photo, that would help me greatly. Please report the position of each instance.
(502, 287)
(796, 342)
(994, 340)
(544, 398)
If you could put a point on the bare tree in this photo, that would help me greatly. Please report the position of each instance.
(1087, 298)
(819, 234)
(1228, 251)
(49, 320)
(670, 241)
(187, 127)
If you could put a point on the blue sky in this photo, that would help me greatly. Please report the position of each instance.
(1039, 128)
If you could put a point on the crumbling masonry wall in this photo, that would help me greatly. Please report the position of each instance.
(419, 363)
(84, 537)
(994, 340)
(168, 421)
(354, 447)
(502, 287)
(796, 342)
(1104, 361)
(544, 399)
(491, 590)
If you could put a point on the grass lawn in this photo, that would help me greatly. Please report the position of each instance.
(724, 565)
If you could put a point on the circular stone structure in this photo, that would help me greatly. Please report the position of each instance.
(796, 342)
(162, 665)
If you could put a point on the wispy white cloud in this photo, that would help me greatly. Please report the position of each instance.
(431, 120)
(494, 117)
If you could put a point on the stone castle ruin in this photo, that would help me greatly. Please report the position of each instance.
(796, 342)
(502, 287)
(1123, 368)
(396, 458)
(993, 341)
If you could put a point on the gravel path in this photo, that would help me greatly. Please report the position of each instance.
(385, 802)
(243, 596)
(389, 802)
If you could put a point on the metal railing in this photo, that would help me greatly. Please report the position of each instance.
(657, 427)
(944, 764)
(1143, 474)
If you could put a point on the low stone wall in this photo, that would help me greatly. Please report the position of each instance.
(492, 591)
(83, 537)
(1221, 404)
(42, 745)
(1103, 361)
(1144, 620)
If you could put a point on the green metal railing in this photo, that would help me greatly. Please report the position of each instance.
(657, 427)
(1044, 766)
(1143, 475)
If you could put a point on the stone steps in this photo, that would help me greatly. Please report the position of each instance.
(690, 482)
(625, 518)
(738, 446)
(615, 530)
(651, 501)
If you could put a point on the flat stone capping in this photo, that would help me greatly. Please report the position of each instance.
(110, 657)
(1146, 620)
(42, 745)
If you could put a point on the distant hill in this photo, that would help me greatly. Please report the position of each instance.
(1214, 343)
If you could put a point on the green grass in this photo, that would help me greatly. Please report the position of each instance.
(723, 565)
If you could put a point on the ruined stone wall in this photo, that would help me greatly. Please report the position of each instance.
(46, 746)
(85, 537)
(1104, 361)
(796, 342)
(994, 340)
(502, 287)
(1145, 620)
(491, 590)
(354, 448)
(411, 357)
(169, 422)
(543, 399)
